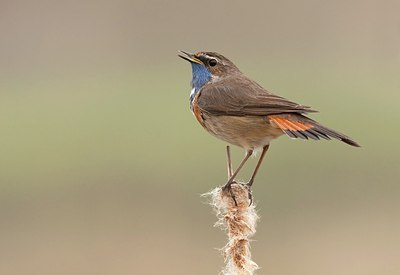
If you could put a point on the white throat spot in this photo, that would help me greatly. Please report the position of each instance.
(192, 92)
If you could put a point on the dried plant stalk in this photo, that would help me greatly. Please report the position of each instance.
(239, 221)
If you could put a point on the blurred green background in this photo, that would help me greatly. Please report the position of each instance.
(102, 164)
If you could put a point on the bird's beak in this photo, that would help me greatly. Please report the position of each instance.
(189, 57)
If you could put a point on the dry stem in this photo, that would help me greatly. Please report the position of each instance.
(239, 221)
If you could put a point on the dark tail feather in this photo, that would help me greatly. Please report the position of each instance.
(333, 134)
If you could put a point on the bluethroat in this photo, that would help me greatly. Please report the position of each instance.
(236, 109)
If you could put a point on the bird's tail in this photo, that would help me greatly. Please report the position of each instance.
(300, 126)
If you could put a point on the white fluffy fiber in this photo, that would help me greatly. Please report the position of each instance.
(239, 221)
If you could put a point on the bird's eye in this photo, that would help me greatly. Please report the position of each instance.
(212, 62)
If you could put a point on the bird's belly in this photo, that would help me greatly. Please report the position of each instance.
(249, 132)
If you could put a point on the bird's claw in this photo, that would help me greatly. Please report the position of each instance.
(228, 187)
(250, 193)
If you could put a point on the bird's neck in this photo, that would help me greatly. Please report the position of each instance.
(200, 76)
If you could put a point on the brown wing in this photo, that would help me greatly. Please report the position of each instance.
(240, 96)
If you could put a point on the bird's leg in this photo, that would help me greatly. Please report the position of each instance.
(230, 169)
(250, 183)
(232, 177)
(229, 160)
(264, 151)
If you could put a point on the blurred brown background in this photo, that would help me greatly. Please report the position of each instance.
(102, 164)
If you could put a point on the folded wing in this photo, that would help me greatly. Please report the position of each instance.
(240, 96)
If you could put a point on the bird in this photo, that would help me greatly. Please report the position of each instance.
(237, 110)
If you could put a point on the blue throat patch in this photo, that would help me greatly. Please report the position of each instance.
(200, 76)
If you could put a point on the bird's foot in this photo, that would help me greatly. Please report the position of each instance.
(228, 187)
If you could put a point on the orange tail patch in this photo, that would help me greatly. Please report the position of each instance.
(286, 124)
(296, 127)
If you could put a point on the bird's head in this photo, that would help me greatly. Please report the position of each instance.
(208, 66)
